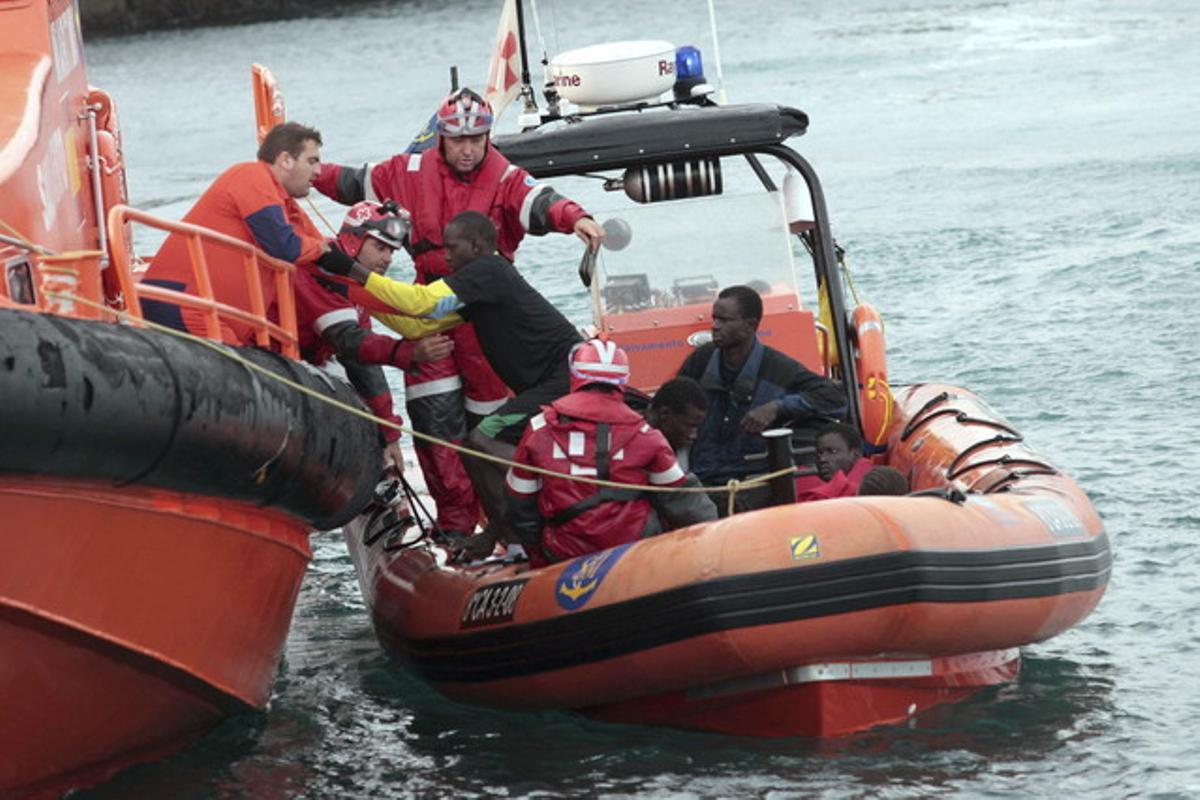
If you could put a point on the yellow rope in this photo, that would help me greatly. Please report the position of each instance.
(853, 288)
(732, 487)
(877, 387)
(317, 211)
(849, 278)
(70, 255)
(42, 251)
(25, 241)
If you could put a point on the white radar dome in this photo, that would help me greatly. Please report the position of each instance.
(614, 73)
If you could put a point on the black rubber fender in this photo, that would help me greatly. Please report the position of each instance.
(100, 401)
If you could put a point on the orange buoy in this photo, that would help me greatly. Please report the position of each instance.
(870, 367)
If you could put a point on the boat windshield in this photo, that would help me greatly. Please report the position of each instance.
(682, 253)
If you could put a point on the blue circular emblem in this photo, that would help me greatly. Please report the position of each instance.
(583, 576)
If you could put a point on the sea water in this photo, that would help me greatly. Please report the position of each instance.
(1016, 184)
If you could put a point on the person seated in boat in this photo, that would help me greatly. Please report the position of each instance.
(751, 387)
(254, 202)
(525, 338)
(677, 409)
(883, 481)
(330, 324)
(841, 466)
(461, 170)
(592, 432)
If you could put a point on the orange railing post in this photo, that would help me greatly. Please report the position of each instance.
(120, 253)
(285, 297)
(254, 288)
(255, 262)
(195, 251)
(268, 101)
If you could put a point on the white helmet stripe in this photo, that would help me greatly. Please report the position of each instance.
(615, 369)
(596, 360)
(607, 350)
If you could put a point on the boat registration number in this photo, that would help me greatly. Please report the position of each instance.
(492, 604)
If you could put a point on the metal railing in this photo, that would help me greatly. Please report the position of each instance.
(254, 262)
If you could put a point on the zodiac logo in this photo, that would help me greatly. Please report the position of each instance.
(805, 547)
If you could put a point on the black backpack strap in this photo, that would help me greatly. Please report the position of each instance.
(603, 494)
(603, 444)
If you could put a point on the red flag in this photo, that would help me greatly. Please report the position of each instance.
(504, 81)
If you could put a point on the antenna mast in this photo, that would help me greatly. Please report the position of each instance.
(529, 114)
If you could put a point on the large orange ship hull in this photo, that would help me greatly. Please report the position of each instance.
(155, 494)
(130, 619)
(157, 500)
(806, 619)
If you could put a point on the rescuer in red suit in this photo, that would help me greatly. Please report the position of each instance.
(464, 172)
(329, 324)
(591, 432)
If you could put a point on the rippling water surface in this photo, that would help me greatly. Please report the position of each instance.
(1016, 184)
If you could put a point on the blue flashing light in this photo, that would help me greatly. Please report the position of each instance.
(689, 66)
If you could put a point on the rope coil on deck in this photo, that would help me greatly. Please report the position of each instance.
(732, 487)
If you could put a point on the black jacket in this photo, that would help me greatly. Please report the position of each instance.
(720, 450)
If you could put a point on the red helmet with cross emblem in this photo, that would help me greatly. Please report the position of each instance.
(388, 223)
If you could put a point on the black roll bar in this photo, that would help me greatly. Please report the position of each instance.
(826, 262)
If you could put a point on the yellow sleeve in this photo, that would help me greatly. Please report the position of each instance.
(416, 327)
(434, 300)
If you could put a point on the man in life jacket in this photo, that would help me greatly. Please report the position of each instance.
(841, 466)
(254, 202)
(330, 324)
(751, 387)
(463, 172)
(592, 432)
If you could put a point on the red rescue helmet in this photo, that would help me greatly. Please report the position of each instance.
(388, 223)
(464, 113)
(598, 361)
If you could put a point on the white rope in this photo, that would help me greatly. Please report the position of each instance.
(537, 24)
(712, 24)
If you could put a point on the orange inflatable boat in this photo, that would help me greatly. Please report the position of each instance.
(812, 618)
(817, 618)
